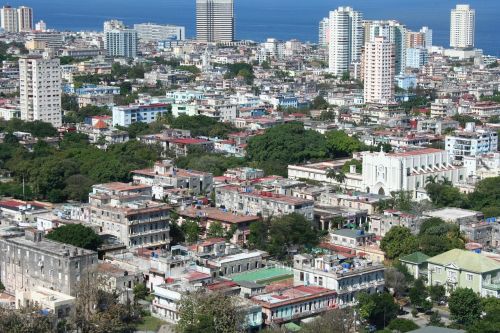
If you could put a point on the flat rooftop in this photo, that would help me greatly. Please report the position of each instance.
(49, 246)
(292, 295)
(217, 214)
(264, 275)
(452, 213)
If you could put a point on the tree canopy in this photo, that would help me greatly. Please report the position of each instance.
(286, 144)
(465, 306)
(76, 235)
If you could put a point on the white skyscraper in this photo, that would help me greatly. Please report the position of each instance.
(427, 37)
(346, 39)
(40, 89)
(378, 68)
(25, 18)
(462, 26)
(113, 25)
(41, 26)
(394, 32)
(324, 32)
(121, 43)
(215, 20)
(9, 19)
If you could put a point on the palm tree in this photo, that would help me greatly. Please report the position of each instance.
(445, 181)
(331, 173)
(431, 179)
(340, 177)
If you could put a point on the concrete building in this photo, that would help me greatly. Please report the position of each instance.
(427, 37)
(462, 27)
(332, 272)
(416, 57)
(9, 18)
(295, 303)
(31, 261)
(25, 18)
(471, 142)
(346, 39)
(464, 269)
(46, 299)
(393, 32)
(121, 43)
(165, 176)
(151, 32)
(245, 200)
(324, 32)
(113, 25)
(237, 263)
(215, 20)
(126, 212)
(407, 171)
(379, 69)
(40, 89)
(416, 263)
(133, 113)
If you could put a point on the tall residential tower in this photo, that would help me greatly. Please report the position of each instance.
(462, 26)
(25, 18)
(378, 71)
(215, 20)
(40, 89)
(346, 39)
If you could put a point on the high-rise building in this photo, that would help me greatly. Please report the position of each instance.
(150, 32)
(414, 39)
(427, 37)
(40, 89)
(9, 19)
(395, 33)
(25, 18)
(416, 57)
(215, 20)
(324, 32)
(378, 71)
(113, 25)
(346, 39)
(462, 27)
(121, 43)
(41, 26)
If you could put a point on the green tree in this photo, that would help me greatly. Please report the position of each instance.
(201, 312)
(490, 321)
(347, 166)
(398, 242)
(319, 103)
(377, 309)
(216, 230)
(486, 197)
(191, 231)
(437, 293)
(76, 235)
(140, 291)
(418, 293)
(465, 306)
(402, 325)
(257, 239)
(290, 230)
(285, 144)
(339, 144)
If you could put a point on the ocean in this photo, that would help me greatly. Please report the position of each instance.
(260, 19)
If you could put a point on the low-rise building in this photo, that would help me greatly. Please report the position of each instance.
(138, 113)
(165, 176)
(471, 142)
(246, 200)
(31, 261)
(334, 272)
(416, 263)
(295, 303)
(464, 269)
(236, 223)
(455, 215)
(127, 213)
(351, 238)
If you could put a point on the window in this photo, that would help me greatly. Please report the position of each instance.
(470, 277)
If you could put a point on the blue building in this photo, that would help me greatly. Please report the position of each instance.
(416, 57)
(406, 81)
(134, 113)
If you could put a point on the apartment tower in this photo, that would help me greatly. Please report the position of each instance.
(40, 89)
(346, 39)
(215, 20)
(462, 27)
(378, 71)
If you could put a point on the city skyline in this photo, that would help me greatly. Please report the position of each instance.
(251, 25)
